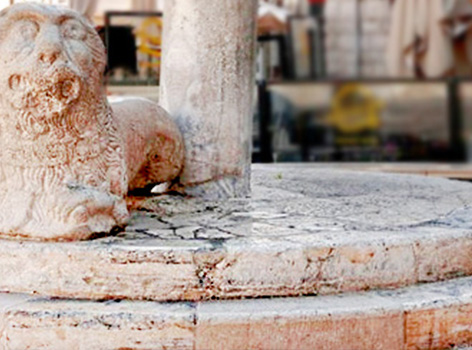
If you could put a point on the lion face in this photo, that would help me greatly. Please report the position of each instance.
(49, 57)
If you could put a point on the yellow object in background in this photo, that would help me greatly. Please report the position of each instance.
(150, 31)
(150, 37)
(355, 109)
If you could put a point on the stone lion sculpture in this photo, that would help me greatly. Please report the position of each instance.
(67, 157)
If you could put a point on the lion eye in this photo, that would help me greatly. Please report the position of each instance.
(73, 29)
(28, 29)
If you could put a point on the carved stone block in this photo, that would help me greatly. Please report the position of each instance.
(67, 157)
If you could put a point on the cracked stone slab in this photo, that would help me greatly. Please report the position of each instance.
(429, 316)
(305, 231)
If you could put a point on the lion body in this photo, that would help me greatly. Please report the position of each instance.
(67, 157)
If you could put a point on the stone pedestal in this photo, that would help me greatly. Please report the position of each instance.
(207, 85)
(434, 316)
(304, 231)
(313, 239)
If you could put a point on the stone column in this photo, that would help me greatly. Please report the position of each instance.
(207, 85)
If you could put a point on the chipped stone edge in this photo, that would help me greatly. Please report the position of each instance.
(233, 269)
(302, 322)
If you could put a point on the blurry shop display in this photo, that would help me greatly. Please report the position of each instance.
(372, 38)
(133, 41)
(272, 54)
(366, 80)
(355, 115)
(306, 42)
(336, 38)
(289, 25)
(376, 121)
(272, 59)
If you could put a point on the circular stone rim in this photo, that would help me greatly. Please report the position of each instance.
(292, 265)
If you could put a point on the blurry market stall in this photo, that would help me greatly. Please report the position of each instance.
(412, 56)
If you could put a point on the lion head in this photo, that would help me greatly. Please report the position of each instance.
(50, 59)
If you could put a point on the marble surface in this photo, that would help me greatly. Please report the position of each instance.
(207, 86)
(305, 231)
(69, 158)
(431, 316)
(325, 204)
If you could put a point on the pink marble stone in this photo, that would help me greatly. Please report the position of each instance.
(68, 158)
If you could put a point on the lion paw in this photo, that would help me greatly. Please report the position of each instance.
(76, 213)
(88, 212)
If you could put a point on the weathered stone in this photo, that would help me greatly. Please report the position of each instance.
(440, 318)
(439, 327)
(54, 324)
(207, 85)
(435, 316)
(303, 232)
(67, 157)
(432, 316)
(282, 329)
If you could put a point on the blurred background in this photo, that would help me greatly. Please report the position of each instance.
(365, 81)
(380, 81)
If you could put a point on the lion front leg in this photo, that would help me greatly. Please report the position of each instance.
(16, 211)
(70, 213)
(86, 211)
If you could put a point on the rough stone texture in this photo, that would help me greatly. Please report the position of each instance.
(441, 318)
(439, 328)
(67, 157)
(54, 324)
(305, 231)
(434, 316)
(298, 328)
(207, 85)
